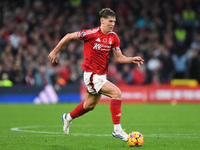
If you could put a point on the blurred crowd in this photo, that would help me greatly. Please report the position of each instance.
(166, 33)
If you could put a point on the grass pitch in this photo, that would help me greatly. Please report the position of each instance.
(39, 127)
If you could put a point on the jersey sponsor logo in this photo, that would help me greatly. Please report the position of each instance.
(97, 46)
(98, 40)
(101, 47)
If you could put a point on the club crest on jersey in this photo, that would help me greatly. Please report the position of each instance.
(110, 41)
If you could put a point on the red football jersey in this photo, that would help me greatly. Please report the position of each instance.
(97, 47)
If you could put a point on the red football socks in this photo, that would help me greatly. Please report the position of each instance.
(78, 111)
(115, 108)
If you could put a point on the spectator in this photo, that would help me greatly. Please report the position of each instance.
(153, 69)
(194, 68)
(5, 81)
(126, 74)
(180, 66)
(180, 35)
(29, 78)
(63, 70)
(138, 75)
(15, 40)
(167, 66)
(40, 77)
(188, 15)
(113, 73)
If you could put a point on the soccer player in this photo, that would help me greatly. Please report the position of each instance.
(98, 43)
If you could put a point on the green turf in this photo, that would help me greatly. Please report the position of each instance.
(165, 127)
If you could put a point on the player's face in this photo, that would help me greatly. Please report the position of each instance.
(108, 23)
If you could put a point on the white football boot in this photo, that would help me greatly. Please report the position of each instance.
(66, 124)
(120, 134)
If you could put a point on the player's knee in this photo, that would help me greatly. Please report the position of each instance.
(117, 95)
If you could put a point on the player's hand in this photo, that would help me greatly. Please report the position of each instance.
(53, 57)
(138, 60)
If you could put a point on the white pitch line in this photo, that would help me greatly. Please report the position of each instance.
(83, 134)
(21, 129)
(22, 136)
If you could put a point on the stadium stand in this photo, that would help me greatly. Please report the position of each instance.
(165, 33)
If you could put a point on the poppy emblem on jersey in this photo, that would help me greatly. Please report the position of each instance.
(105, 40)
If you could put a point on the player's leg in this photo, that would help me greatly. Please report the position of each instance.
(110, 90)
(91, 101)
(81, 109)
(84, 107)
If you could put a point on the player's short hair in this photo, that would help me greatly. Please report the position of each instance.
(107, 12)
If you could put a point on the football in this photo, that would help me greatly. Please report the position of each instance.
(135, 139)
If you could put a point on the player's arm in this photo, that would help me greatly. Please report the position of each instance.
(120, 58)
(68, 37)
